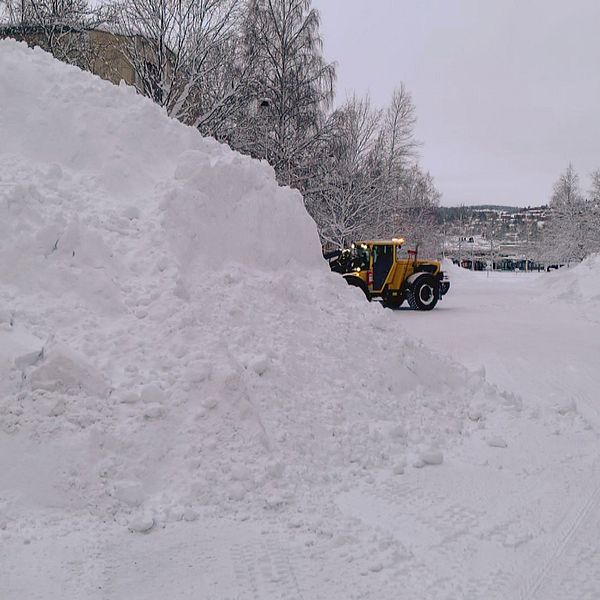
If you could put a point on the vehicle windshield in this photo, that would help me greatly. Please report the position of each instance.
(360, 258)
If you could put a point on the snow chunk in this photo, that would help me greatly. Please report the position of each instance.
(129, 398)
(376, 567)
(142, 523)
(154, 411)
(29, 359)
(190, 515)
(433, 457)
(152, 394)
(129, 492)
(18, 345)
(497, 442)
(566, 406)
(475, 414)
(398, 469)
(260, 364)
(66, 371)
(131, 212)
(236, 491)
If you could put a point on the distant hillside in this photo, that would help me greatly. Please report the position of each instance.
(482, 212)
(496, 207)
(453, 213)
(505, 229)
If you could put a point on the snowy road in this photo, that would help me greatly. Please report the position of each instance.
(517, 522)
(548, 353)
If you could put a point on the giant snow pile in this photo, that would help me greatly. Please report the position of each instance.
(170, 337)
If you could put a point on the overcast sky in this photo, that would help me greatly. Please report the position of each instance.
(507, 91)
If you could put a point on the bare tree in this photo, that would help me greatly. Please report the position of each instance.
(369, 184)
(224, 92)
(399, 125)
(176, 46)
(399, 148)
(295, 83)
(490, 233)
(345, 200)
(57, 12)
(11, 12)
(414, 217)
(595, 189)
(58, 26)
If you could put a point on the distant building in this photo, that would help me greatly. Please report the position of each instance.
(111, 56)
(493, 237)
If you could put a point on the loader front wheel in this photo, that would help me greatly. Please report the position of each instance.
(423, 294)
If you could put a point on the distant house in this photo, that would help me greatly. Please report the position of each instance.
(112, 56)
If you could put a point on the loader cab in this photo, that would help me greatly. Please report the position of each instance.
(383, 261)
(387, 256)
(376, 262)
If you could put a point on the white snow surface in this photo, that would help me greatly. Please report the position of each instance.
(172, 338)
(193, 406)
(579, 284)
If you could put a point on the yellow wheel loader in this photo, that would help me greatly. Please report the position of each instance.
(384, 270)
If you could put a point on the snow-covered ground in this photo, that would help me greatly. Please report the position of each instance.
(193, 406)
(513, 512)
(540, 494)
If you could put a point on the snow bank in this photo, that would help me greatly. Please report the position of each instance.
(456, 273)
(171, 338)
(578, 284)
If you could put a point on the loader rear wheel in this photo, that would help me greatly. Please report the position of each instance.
(393, 304)
(392, 299)
(423, 293)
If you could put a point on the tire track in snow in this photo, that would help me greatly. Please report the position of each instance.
(583, 515)
(433, 531)
(586, 511)
(264, 564)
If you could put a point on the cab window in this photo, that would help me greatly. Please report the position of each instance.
(401, 252)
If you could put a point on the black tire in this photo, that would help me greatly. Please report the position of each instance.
(424, 293)
(393, 304)
(444, 287)
(391, 301)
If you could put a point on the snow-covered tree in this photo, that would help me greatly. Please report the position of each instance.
(44, 12)
(294, 85)
(408, 202)
(398, 153)
(398, 131)
(67, 12)
(569, 235)
(178, 48)
(414, 214)
(58, 26)
(224, 92)
(595, 188)
(594, 206)
(348, 182)
(368, 183)
(409, 197)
